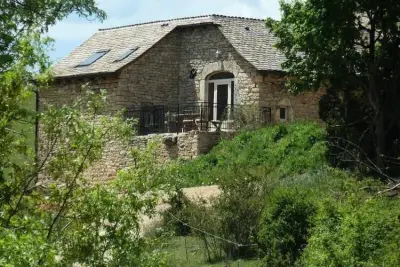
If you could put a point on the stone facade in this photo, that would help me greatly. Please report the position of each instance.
(153, 78)
(187, 145)
(161, 77)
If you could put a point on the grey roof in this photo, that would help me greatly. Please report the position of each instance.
(255, 44)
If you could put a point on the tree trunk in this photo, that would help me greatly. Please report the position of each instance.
(374, 97)
(379, 121)
(380, 133)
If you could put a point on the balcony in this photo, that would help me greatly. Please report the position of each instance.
(198, 116)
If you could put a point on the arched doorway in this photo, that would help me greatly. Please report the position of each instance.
(220, 94)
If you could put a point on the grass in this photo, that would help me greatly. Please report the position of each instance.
(281, 150)
(196, 256)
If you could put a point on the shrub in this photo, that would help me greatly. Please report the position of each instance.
(282, 150)
(180, 208)
(285, 225)
(312, 214)
(233, 216)
(204, 218)
(247, 168)
(239, 208)
(329, 217)
(358, 231)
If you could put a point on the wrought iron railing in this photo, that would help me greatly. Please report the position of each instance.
(197, 116)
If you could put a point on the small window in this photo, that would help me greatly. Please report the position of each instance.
(93, 58)
(126, 54)
(283, 114)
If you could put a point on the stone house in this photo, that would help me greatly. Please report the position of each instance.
(184, 75)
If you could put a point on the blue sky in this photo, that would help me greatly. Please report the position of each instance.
(71, 32)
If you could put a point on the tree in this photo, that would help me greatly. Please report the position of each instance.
(20, 19)
(23, 58)
(62, 219)
(351, 49)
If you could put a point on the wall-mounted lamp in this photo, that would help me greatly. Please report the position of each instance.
(218, 54)
(193, 73)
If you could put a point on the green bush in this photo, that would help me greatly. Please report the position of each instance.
(247, 168)
(180, 208)
(329, 217)
(356, 231)
(282, 150)
(233, 216)
(239, 208)
(186, 217)
(286, 149)
(285, 225)
(277, 191)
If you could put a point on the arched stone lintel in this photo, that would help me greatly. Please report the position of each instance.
(285, 103)
(211, 68)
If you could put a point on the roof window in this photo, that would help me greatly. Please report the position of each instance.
(127, 54)
(93, 58)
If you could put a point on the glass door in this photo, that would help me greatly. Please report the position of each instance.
(222, 101)
(220, 98)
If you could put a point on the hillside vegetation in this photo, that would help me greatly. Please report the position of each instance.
(277, 151)
(283, 203)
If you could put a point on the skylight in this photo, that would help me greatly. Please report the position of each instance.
(127, 54)
(93, 58)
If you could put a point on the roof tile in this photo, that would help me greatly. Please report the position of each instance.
(254, 44)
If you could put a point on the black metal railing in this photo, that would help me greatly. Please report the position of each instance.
(197, 116)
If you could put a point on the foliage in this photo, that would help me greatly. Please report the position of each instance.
(213, 222)
(23, 54)
(280, 150)
(239, 208)
(280, 200)
(247, 169)
(23, 59)
(180, 208)
(355, 231)
(285, 225)
(350, 48)
(177, 247)
(60, 219)
(247, 117)
(63, 215)
(19, 19)
(103, 226)
(329, 218)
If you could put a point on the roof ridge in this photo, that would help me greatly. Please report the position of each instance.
(182, 18)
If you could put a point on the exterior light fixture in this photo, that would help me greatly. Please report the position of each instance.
(193, 73)
(218, 54)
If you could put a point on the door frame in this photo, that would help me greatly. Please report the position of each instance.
(215, 100)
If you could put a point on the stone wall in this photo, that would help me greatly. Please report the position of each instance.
(161, 77)
(186, 145)
(65, 91)
(198, 46)
(153, 78)
(274, 94)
